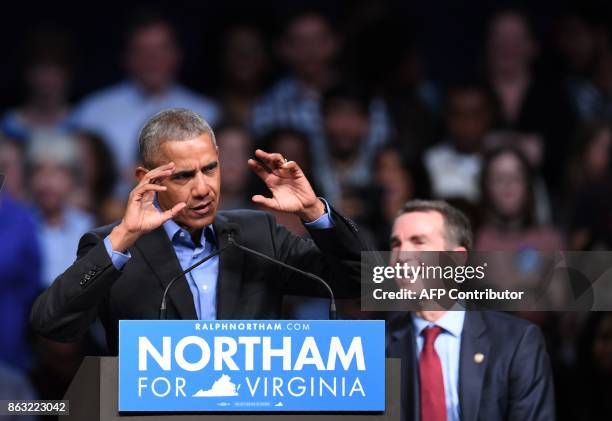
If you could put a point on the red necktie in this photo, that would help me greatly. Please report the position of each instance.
(433, 402)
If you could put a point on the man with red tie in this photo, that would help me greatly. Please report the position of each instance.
(464, 365)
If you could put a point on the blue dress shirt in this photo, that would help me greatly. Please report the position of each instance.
(448, 347)
(203, 279)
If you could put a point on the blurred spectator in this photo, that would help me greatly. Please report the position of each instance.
(309, 47)
(346, 161)
(413, 104)
(586, 394)
(531, 146)
(20, 269)
(47, 74)
(94, 194)
(508, 206)
(12, 166)
(396, 181)
(235, 149)
(244, 67)
(575, 40)
(590, 177)
(398, 72)
(152, 60)
(454, 165)
(509, 224)
(591, 157)
(593, 96)
(582, 39)
(14, 386)
(526, 102)
(52, 171)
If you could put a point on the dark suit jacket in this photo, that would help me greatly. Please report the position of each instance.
(248, 287)
(513, 382)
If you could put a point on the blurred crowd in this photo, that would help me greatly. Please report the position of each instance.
(522, 145)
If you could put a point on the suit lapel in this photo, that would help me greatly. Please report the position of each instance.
(475, 348)
(157, 251)
(402, 344)
(230, 272)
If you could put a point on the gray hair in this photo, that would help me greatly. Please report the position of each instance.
(174, 124)
(458, 228)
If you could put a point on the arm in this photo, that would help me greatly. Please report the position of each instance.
(67, 308)
(531, 384)
(335, 254)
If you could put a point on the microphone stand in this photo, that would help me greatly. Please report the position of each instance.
(332, 304)
(232, 243)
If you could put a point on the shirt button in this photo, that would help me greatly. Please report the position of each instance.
(204, 287)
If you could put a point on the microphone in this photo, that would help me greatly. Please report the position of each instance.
(230, 232)
(162, 306)
(233, 229)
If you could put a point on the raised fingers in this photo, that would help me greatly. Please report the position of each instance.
(291, 166)
(171, 213)
(258, 167)
(141, 189)
(158, 173)
(273, 160)
(265, 201)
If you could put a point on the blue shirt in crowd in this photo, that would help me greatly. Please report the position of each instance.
(58, 242)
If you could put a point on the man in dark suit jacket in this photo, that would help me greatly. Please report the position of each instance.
(479, 365)
(171, 221)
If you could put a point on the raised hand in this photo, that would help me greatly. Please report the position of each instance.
(141, 215)
(291, 191)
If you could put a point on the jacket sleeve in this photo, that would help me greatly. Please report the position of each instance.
(531, 384)
(333, 254)
(71, 304)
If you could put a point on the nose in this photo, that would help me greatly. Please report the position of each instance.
(200, 187)
(404, 253)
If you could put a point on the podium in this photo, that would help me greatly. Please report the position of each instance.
(93, 396)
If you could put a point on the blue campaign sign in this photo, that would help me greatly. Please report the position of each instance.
(248, 365)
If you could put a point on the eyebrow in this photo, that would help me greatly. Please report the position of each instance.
(416, 237)
(210, 166)
(191, 173)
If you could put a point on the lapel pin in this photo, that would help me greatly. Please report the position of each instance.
(478, 357)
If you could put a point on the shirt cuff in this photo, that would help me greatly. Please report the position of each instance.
(119, 259)
(324, 221)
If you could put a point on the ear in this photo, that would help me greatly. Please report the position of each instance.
(140, 172)
(460, 255)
